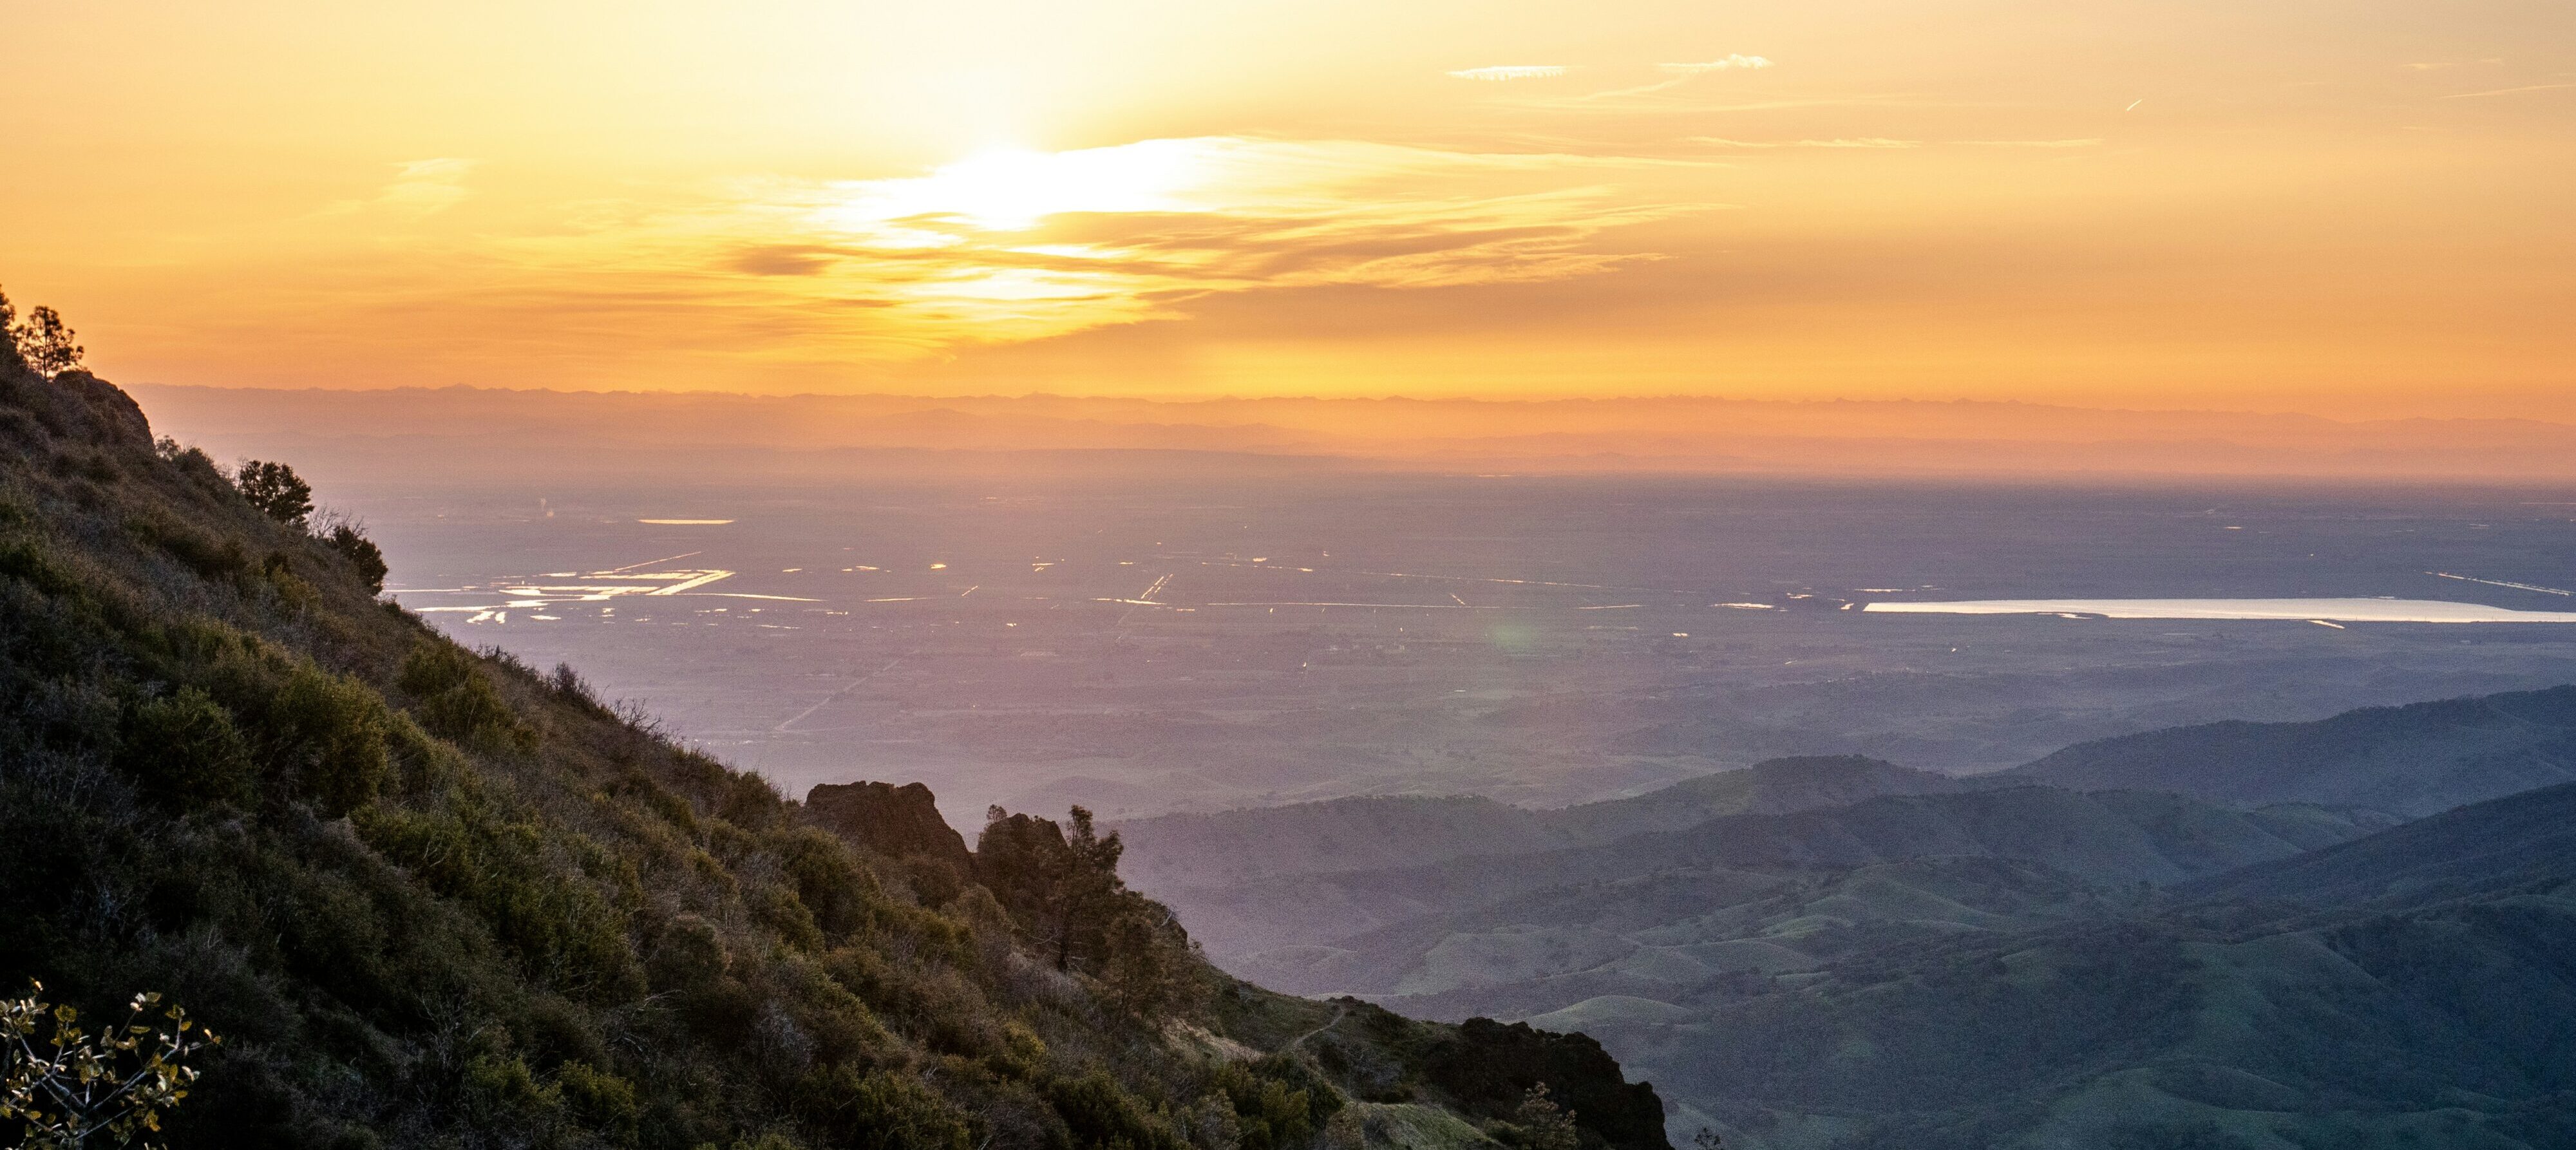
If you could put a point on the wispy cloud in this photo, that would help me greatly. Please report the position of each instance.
(1857, 142)
(2509, 91)
(1720, 65)
(1510, 72)
(2088, 142)
(420, 188)
(1012, 246)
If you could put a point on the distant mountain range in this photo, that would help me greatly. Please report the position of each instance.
(2413, 988)
(2412, 760)
(2219, 935)
(517, 435)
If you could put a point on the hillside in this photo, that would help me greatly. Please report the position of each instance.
(2338, 1016)
(1788, 981)
(2470, 850)
(1392, 832)
(2108, 838)
(436, 898)
(2413, 760)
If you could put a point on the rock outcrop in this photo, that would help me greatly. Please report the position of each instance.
(894, 821)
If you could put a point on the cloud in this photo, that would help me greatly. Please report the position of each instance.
(2508, 91)
(1510, 72)
(1731, 61)
(1859, 142)
(2090, 142)
(426, 187)
(420, 189)
(1015, 245)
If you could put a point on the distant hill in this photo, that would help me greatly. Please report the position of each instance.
(2411, 988)
(1392, 832)
(1839, 953)
(2470, 850)
(2413, 760)
(2117, 839)
(1771, 787)
(1354, 834)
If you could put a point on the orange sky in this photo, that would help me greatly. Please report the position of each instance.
(2346, 208)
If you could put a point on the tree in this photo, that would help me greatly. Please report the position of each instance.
(275, 489)
(1062, 889)
(361, 552)
(1543, 1124)
(42, 341)
(74, 1086)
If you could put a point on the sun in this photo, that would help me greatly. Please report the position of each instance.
(1014, 189)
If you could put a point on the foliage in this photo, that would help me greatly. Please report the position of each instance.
(1062, 889)
(276, 491)
(42, 342)
(364, 557)
(1538, 1123)
(436, 899)
(75, 1086)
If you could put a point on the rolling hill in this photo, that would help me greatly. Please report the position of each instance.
(2107, 838)
(2411, 988)
(2413, 760)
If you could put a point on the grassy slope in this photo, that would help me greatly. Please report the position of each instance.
(436, 899)
(2409, 988)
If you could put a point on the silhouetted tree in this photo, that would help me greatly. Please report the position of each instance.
(361, 552)
(1060, 888)
(275, 489)
(42, 341)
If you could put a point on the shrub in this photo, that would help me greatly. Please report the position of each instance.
(364, 557)
(71, 1085)
(331, 729)
(276, 491)
(457, 702)
(602, 1101)
(184, 747)
(879, 1111)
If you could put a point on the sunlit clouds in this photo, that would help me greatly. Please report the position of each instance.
(1015, 244)
(1510, 72)
(2189, 204)
(1730, 61)
(419, 188)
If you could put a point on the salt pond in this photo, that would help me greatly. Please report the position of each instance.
(2304, 610)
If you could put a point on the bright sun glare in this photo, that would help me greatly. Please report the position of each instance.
(1013, 189)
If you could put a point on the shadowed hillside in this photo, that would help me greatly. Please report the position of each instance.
(2412, 988)
(1380, 833)
(435, 898)
(2105, 838)
(2412, 760)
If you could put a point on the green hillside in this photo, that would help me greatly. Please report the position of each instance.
(2351, 1005)
(436, 898)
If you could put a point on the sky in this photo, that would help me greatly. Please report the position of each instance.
(2353, 209)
